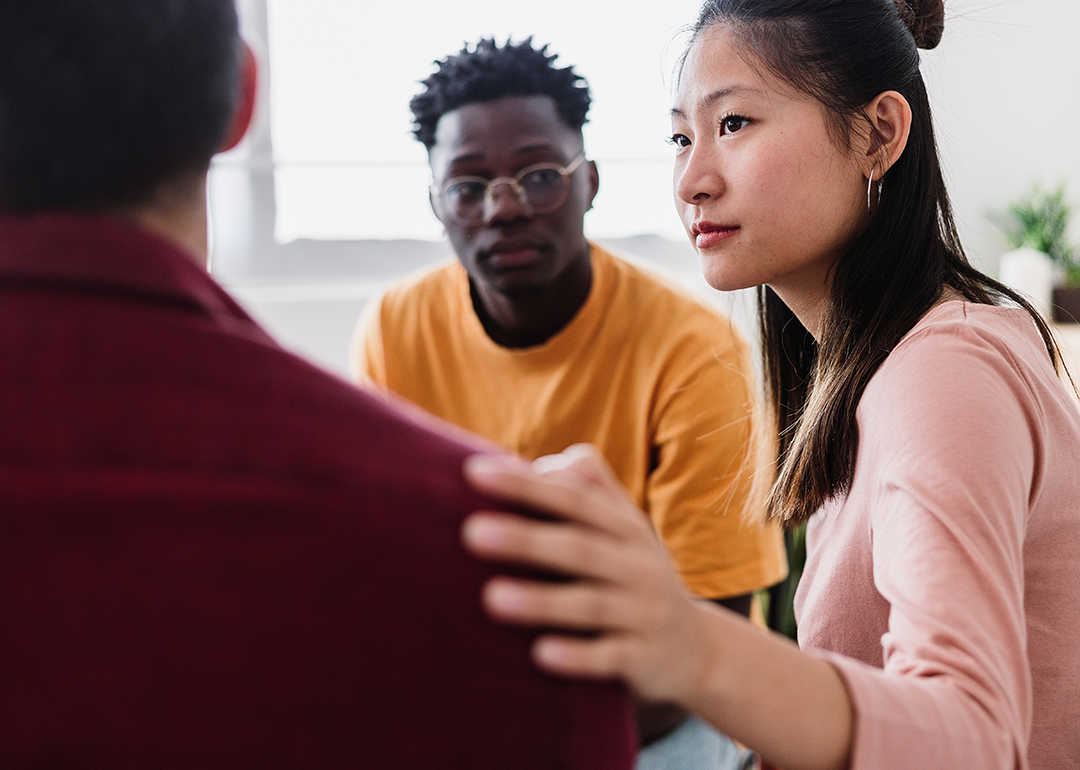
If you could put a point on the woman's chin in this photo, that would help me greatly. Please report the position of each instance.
(723, 280)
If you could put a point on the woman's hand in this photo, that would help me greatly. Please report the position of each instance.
(625, 613)
(642, 625)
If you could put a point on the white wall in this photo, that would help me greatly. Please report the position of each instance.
(1005, 87)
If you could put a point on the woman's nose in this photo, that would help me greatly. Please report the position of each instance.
(698, 175)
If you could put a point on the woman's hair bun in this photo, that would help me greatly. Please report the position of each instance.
(925, 19)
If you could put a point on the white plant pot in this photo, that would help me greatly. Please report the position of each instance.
(1031, 273)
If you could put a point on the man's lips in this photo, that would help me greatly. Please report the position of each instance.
(513, 254)
(707, 234)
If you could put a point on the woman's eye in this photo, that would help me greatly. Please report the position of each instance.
(678, 140)
(733, 123)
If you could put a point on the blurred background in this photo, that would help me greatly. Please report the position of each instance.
(326, 201)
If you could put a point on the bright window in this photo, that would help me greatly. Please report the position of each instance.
(346, 165)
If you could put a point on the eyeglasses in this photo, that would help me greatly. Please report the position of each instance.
(540, 189)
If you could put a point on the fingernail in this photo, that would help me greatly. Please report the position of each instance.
(548, 653)
(502, 597)
(480, 466)
(478, 533)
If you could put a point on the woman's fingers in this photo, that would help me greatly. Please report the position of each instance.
(576, 606)
(602, 658)
(556, 546)
(620, 640)
(586, 461)
(648, 647)
(566, 492)
(623, 594)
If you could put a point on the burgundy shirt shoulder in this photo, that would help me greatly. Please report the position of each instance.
(215, 554)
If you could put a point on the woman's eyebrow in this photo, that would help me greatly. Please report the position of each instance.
(715, 96)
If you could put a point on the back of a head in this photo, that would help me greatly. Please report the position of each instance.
(489, 71)
(102, 101)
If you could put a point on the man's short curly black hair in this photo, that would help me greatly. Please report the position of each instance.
(489, 71)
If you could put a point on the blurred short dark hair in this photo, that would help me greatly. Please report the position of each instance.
(102, 101)
(489, 71)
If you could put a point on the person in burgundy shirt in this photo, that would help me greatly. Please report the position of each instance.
(212, 553)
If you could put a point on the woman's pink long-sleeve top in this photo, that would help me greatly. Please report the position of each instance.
(945, 586)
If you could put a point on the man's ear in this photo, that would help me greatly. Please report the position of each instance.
(594, 181)
(431, 202)
(245, 101)
(890, 125)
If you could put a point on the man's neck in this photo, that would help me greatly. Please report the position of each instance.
(528, 319)
(176, 212)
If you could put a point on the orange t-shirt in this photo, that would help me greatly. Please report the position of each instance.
(658, 381)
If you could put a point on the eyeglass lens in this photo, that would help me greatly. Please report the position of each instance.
(541, 189)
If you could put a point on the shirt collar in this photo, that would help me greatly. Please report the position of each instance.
(99, 253)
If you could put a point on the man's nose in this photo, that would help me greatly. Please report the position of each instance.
(502, 202)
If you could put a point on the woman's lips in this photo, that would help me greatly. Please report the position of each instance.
(707, 235)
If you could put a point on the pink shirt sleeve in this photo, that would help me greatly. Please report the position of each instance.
(949, 465)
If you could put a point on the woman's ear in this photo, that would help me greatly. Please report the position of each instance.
(245, 100)
(890, 125)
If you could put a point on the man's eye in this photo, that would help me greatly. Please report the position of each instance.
(733, 123)
(466, 191)
(541, 177)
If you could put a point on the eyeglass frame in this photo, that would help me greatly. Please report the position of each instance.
(514, 182)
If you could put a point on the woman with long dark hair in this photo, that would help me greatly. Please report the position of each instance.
(923, 433)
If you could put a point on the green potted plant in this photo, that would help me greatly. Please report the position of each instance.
(1037, 224)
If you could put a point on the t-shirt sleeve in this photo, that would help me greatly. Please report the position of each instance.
(701, 493)
(949, 432)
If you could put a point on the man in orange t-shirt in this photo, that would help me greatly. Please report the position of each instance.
(537, 339)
